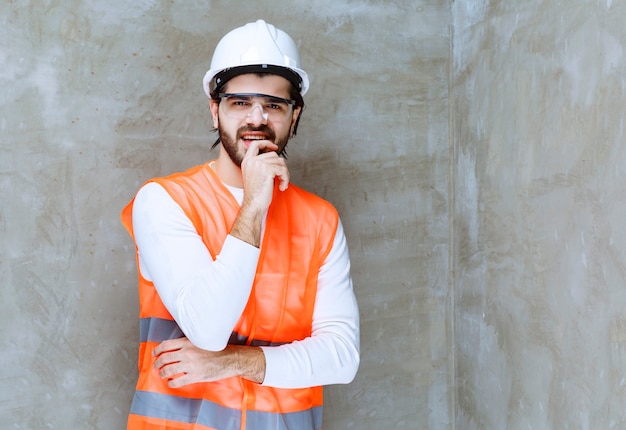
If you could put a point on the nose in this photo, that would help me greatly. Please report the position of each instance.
(257, 115)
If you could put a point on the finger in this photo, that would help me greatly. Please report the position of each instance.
(280, 171)
(283, 176)
(167, 358)
(169, 345)
(181, 381)
(171, 370)
(266, 146)
(160, 349)
(260, 146)
(279, 168)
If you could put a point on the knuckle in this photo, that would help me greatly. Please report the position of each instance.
(168, 371)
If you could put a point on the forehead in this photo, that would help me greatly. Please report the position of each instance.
(272, 85)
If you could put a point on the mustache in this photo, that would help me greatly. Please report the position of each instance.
(271, 136)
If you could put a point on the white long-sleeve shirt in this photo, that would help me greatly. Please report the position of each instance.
(206, 297)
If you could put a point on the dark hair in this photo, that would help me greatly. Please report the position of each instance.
(294, 94)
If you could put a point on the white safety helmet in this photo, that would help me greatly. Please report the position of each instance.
(255, 47)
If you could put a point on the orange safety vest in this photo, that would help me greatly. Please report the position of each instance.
(299, 232)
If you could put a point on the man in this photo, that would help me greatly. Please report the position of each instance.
(246, 300)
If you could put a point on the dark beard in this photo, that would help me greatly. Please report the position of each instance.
(231, 146)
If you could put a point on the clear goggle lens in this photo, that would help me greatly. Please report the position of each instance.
(242, 105)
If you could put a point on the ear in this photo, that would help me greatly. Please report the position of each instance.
(294, 118)
(215, 106)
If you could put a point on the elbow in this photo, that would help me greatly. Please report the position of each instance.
(343, 347)
(200, 327)
(212, 346)
(355, 367)
(351, 368)
(347, 361)
(207, 340)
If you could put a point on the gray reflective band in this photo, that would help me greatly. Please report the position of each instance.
(204, 412)
(310, 419)
(184, 410)
(157, 330)
(238, 339)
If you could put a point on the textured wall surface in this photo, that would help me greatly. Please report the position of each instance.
(99, 96)
(540, 203)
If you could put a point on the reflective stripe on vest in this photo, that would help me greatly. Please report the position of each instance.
(212, 415)
(158, 329)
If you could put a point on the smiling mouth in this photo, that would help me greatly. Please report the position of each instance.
(253, 137)
(248, 134)
(248, 139)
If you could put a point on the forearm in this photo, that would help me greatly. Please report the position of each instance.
(251, 363)
(182, 363)
(210, 304)
(331, 357)
(248, 225)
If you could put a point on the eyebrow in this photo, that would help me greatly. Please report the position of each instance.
(250, 95)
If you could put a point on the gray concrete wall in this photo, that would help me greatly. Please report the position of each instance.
(524, 326)
(539, 260)
(99, 96)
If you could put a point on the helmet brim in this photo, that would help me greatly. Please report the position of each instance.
(216, 79)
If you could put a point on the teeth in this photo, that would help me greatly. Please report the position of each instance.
(253, 137)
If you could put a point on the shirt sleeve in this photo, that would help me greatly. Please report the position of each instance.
(331, 354)
(205, 297)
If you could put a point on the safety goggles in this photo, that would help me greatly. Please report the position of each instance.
(243, 105)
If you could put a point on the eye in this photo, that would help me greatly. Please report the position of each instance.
(239, 102)
(275, 106)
